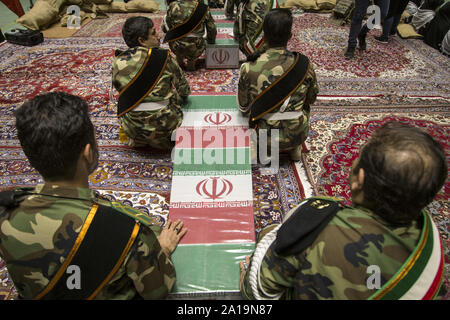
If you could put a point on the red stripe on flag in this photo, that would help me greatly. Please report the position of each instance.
(437, 280)
(224, 36)
(216, 225)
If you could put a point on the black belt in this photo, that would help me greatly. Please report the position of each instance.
(99, 250)
(144, 81)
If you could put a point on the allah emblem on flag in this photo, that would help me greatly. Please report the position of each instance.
(214, 188)
(217, 118)
(220, 56)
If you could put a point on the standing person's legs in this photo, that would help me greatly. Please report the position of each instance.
(387, 23)
(355, 25)
(390, 26)
(394, 26)
(387, 26)
(384, 8)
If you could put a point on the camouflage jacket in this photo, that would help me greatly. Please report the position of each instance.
(127, 64)
(152, 128)
(229, 7)
(252, 19)
(256, 76)
(179, 11)
(335, 265)
(32, 237)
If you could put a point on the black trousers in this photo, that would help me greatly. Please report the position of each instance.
(358, 16)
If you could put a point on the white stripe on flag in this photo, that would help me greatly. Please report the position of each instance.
(225, 30)
(219, 16)
(213, 118)
(421, 286)
(211, 188)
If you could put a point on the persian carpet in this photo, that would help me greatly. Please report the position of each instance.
(349, 93)
(401, 68)
(404, 72)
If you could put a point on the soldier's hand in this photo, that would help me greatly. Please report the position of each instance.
(171, 235)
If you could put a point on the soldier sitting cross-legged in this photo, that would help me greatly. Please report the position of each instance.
(248, 25)
(149, 108)
(184, 26)
(276, 88)
(59, 240)
(384, 247)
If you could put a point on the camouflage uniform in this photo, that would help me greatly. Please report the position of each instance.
(189, 47)
(153, 128)
(216, 3)
(38, 235)
(256, 76)
(253, 15)
(335, 265)
(229, 8)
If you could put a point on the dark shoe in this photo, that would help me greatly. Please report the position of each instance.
(190, 65)
(362, 42)
(296, 154)
(181, 63)
(382, 39)
(350, 53)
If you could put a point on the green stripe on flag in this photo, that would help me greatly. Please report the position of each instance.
(411, 277)
(224, 25)
(226, 42)
(211, 103)
(209, 268)
(211, 160)
(217, 13)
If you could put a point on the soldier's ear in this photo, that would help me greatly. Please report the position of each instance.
(358, 181)
(141, 41)
(90, 155)
(357, 186)
(87, 152)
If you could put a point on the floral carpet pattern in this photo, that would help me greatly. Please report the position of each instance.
(401, 67)
(275, 194)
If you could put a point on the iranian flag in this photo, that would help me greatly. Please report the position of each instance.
(212, 195)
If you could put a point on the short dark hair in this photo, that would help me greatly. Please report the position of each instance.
(277, 27)
(135, 28)
(53, 129)
(404, 169)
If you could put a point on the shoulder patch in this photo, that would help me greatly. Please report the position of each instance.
(304, 225)
(131, 212)
(319, 204)
(12, 198)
